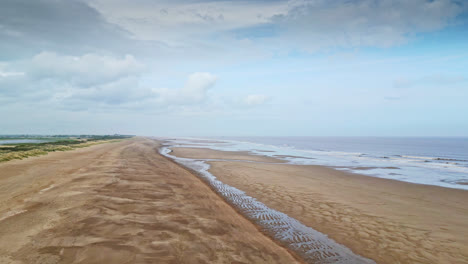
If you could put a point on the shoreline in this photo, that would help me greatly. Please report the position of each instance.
(383, 219)
(431, 170)
(311, 245)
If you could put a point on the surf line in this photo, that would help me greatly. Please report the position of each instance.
(310, 244)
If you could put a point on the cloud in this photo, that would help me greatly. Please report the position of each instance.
(94, 82)
(9, 74)
(49, 73)
(255, 99)
(327, 24)
(129, 94)
(67, 27)
(124, 92)
(194, 91)
(70, 55)
(311, 25)
(5, 72)
(85, 70)
(206, 28)
(73, 82)
(179, 22)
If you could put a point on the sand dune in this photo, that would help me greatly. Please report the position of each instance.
(120, 203)
(385, 220)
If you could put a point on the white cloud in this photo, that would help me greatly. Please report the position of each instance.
(128, 93)
(93, 82)
(255, 99)
(194, 91)
(9, 74)
(85, 70)
(5, 73)
(114, 94)
(73, 81)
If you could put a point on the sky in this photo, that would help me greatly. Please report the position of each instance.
(234, 67)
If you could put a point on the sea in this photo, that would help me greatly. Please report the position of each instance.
(424, 160)
(20, 141)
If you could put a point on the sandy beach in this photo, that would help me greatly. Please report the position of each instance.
(121, 203)
(386, 220)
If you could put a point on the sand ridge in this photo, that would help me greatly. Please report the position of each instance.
(121, 203)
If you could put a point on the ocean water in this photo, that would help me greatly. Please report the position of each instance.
(19, 141)
(432, 161)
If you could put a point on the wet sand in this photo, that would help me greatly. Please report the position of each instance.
(206, 153)
(120, 203)
(385, 220)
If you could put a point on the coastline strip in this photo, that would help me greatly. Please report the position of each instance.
(310, 244)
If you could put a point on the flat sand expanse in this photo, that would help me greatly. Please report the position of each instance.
(385, 220)
(120, 203)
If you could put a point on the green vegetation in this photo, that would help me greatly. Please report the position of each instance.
(55, 143)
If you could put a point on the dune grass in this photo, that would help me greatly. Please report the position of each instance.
(25, 150)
